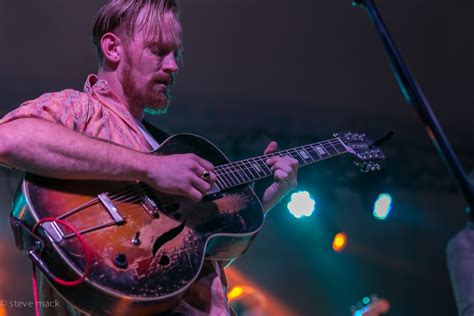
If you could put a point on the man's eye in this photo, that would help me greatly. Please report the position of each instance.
(157, 52)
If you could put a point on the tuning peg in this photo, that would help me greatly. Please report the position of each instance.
(368, 166)
(362, 166)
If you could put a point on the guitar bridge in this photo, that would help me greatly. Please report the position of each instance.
(110, 207)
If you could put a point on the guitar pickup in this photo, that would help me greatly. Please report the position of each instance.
(110, 207)
(150, 206)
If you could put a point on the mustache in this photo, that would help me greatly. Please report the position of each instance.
(166, 79)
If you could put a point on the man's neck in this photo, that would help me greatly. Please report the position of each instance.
(117, 88)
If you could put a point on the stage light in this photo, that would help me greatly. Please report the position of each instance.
(301, 204)
(382, 206)
(236, 292)
(339, 242)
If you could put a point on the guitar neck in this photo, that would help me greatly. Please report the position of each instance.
(249, 170)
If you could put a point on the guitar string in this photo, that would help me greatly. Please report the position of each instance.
(261, 158)
(293, 152)
(221, 170)
(331, 142)
(121, 197)
(129, 195)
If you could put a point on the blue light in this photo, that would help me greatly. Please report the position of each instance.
(301, 204)
(383, 206)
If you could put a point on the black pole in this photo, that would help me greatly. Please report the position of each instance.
(414, 96)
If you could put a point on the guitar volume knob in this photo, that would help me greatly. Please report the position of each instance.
(120, 261)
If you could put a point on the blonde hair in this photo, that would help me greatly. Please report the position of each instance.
(157, 18)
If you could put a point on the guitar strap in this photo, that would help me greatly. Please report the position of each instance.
(159, 135)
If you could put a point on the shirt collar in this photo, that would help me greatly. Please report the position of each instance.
(93, 84)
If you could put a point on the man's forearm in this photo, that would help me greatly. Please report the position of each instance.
(51, 150)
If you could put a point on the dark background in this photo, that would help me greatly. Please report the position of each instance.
(294, 71)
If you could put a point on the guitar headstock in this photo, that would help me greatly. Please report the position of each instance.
(360, 146)
(372, 306)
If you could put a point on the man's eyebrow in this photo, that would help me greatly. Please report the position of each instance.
(176, 47)
(153, 44)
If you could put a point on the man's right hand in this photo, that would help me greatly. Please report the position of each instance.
(180, 174)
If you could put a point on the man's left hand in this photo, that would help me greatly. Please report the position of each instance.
(285, 171)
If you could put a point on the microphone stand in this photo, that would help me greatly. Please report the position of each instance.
(415, 97)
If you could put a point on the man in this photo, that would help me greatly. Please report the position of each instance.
(98, 133)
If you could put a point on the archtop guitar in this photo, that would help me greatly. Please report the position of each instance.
(138, 249)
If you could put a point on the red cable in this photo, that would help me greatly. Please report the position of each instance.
(56, 279)
(84, 246)
(35, 292)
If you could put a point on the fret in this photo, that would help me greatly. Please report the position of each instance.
(231, 178)
(256, 167)
(339, 146)
(236, 172)
(263, 165)
(251, 169)
(309, 155)
(241, 166)
(234, 178)
(220, 175)
(297, 156)
(334, 147)
(329, 149)
(320, 151)
(313, 153)
(333, 144)
(253, 172)
(305, 155)
(293, 154)
(219, 186)
(220, 182)
(284, 153)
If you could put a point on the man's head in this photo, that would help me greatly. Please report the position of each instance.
(139, 41)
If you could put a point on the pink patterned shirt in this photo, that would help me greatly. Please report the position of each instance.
(99, 112)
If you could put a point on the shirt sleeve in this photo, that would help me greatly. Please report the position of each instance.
(69, 108)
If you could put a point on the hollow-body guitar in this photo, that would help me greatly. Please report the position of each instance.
(146, 247)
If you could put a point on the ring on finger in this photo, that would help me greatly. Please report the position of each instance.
(206, 174)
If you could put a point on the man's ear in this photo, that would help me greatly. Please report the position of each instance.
(111, 46)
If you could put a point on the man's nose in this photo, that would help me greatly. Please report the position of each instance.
(170, 65)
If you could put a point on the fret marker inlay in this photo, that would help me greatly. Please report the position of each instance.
(256, 167)
(304, 154)
(321, 150)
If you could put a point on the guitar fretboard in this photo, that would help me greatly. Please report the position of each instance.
(249, 170)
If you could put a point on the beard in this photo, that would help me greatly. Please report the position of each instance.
(155, 100)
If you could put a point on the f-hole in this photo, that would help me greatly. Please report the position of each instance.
(169, 235)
